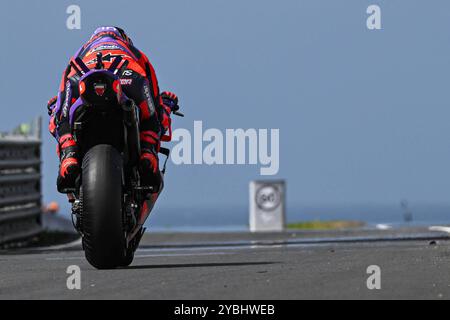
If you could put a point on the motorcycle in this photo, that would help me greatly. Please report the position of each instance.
(109, 203)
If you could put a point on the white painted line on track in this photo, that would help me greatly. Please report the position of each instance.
(219, 247)
(138, 256)
(63, 259)
(182, 255)
(62, 246)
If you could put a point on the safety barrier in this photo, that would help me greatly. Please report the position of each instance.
(20, 185)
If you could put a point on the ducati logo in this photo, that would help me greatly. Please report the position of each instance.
(100, 88)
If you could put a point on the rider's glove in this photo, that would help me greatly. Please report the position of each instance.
(51, 104)
(171, 100)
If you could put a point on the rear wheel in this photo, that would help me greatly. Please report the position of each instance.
(104, 237)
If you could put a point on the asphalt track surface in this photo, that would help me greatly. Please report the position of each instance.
(415, 264)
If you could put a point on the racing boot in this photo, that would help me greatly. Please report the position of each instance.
(149, 170)
(69, 168)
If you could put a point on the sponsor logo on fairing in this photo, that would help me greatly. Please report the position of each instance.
(107, 58)
(100, 88)
(105, 47)
(68, 96)
(148, 96)
(126, 82)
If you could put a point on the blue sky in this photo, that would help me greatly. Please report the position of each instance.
(363, 115)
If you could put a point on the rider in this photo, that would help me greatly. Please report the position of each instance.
(139, 83)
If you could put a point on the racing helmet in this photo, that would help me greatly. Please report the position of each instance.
(118, 32)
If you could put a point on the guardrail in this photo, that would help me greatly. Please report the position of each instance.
(20, 186)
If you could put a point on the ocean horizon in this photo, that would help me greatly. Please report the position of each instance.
(235, 218)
